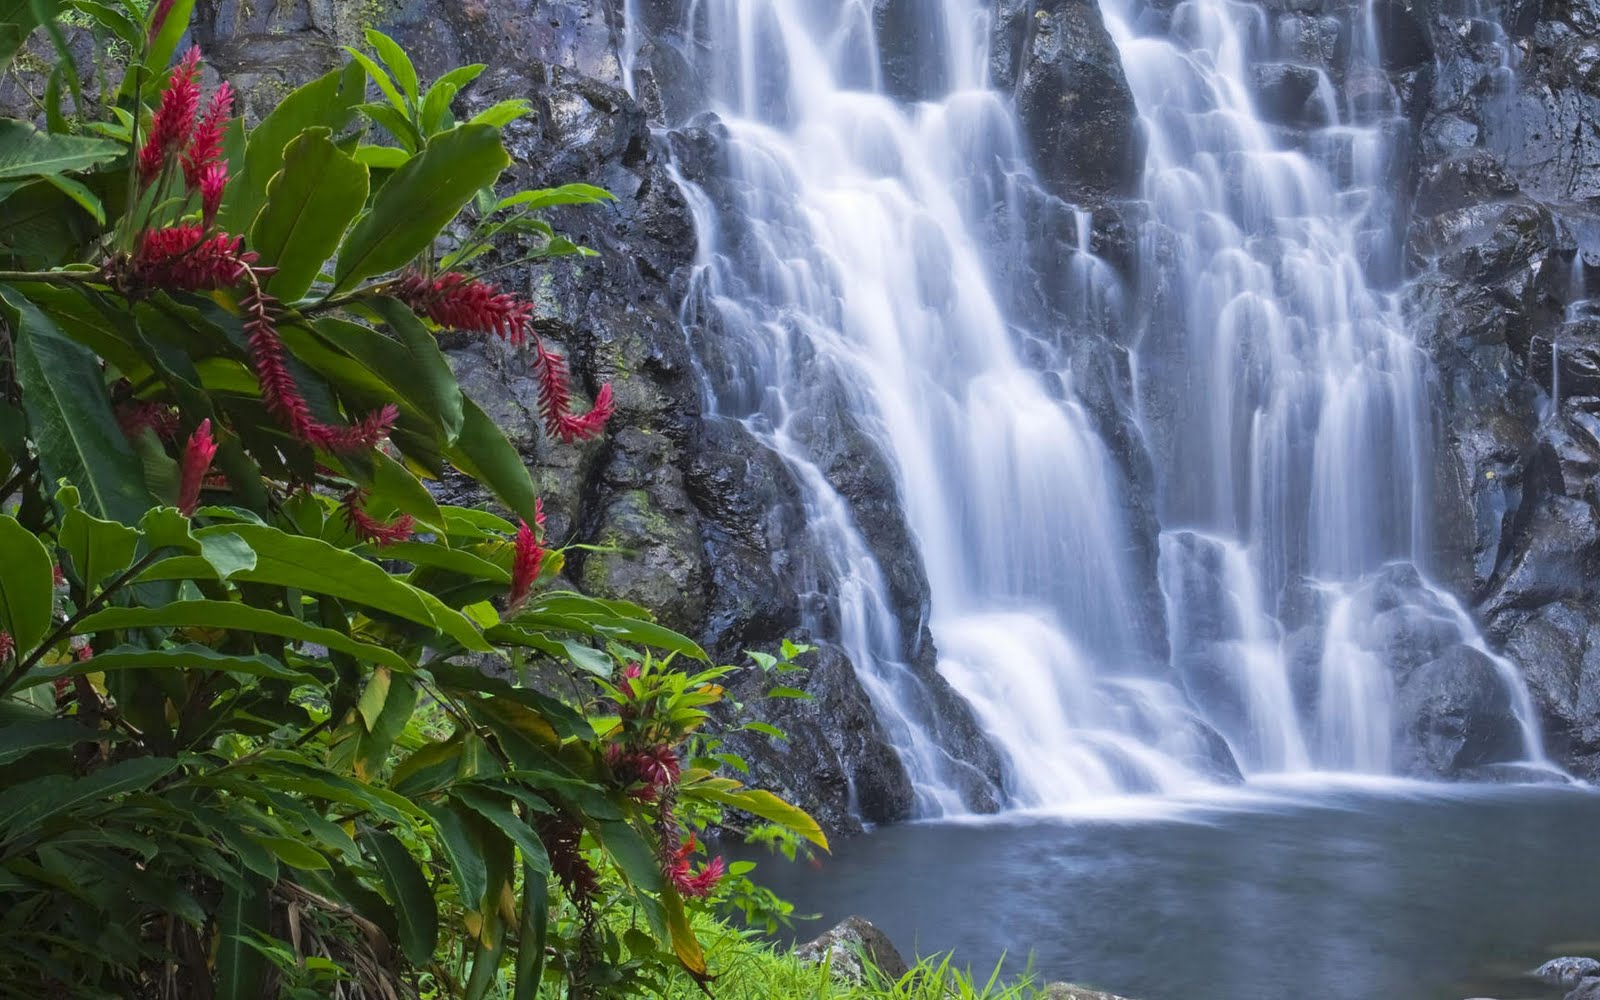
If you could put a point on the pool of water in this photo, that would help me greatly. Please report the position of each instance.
(1346, 890)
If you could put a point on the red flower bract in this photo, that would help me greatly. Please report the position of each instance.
(459, 302)
(206, 149)
(197, 456)
(181, 258)
(8, 645)
(526, 562)
(555, 400)
(173, 121)
(213, 180)
(687, 881)
(371, 529)
(282, 396)
(135, 416)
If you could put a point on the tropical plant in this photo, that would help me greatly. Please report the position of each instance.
(268, 723)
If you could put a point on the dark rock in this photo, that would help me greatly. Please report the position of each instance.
(1461, 180)
(847, 943)
(1568, 971)
(1067, 991)
(1587, 989)
(1402, 33)
(911, 48)
(1455, 713)
(1074, 104)
(1287, 94)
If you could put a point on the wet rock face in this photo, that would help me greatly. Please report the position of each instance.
(1072, 99)
(1455, 713)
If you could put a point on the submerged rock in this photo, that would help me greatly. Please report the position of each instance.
(1566, 971)
(844, 947)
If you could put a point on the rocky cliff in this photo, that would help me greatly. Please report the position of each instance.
(1498, 211)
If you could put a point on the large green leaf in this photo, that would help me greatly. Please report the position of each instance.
(535, 924)
(165, 44)
(420, 200)
(27, 585)
(497, 810)
(760, 802)
(27, 152)
(186, 657)
(483, 453)
(239, 617)
(245, 913)
(310, 564)
(18, 739)
(32, 803)
(415, 909)
(406, 368)
(428, 375)
(73, 427)
(99, 549)
(462, 847)
(17, 22)
(310, 203)
(326, 102)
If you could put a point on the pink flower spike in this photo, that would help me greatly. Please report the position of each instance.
(525, 565)
(173, 121)
(213, 179)
(197, 456)
(369, 528)
(206, 148)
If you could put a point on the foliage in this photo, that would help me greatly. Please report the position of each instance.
(268, 719)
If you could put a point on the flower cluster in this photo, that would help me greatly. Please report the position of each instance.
(182, 258)
(458, 302)
(136, 416)
(680, 872)
(371, 529)
(176, 136)
(646, 772)
(282, 395)
(8, 645)
(528, 559)
(197, 456)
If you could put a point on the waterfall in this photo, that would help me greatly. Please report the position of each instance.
(848, 305)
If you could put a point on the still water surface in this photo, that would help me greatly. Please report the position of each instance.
(1351, 890)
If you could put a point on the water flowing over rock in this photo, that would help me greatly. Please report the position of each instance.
(1121, 395)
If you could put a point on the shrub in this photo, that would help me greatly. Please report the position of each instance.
(252, 738)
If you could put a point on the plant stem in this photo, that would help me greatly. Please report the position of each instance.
(55, 277)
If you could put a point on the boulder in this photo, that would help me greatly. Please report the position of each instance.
(1074, 104)
(1587, 989)
(847, 944)
(1067, 991)
(1567, 971)
(1455, 713)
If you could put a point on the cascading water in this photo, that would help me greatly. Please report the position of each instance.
(844, 287)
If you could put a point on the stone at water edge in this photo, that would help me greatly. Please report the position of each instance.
(843, 946)
(1067, 991)
(1588, 989)
(1566, 971)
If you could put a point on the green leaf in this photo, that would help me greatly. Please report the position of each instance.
(17, 22)
(186, 657)
(73, 427)
(768, 806)
(462, 847)
(239, 617)
(415, 909)
(326, 102)
(27, 586)
(18, 739)
(370, 704)
(80, 194)
(99, 549)
(436, 107)
(395, 58)
(503, 113)
(455, 560)
(483, 453)
(633, 855)
(32, 803)
(410, 361)
(227, 554)
(381, 157)
(533, 932)
(566, 194)
(381, 78)
(396, 124)
(420, 200)
(310, 564)
(244, 914)
(27, 152)
(294, 853)
(497, 810)
(684, 944)
(114, 21)
(165, 44)
(310, 204)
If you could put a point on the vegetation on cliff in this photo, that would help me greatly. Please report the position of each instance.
(273, 720)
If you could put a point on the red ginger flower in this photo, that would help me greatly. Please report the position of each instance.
(180, 258)
(173, 121)
(687, 881)
(527, 561)
(371, 529)
(630, 673)
(213, 180)
(562, 838)
(455, 301)
(282, 396)
(197, 456)
(655, 769)
(206, 148)
(8, 645)
(555, 400)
